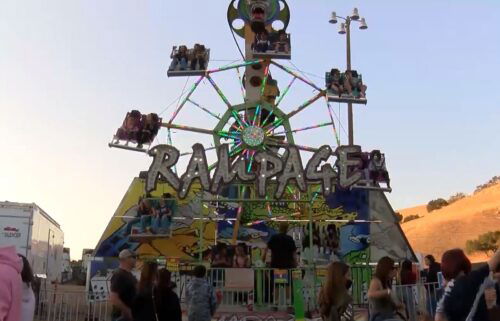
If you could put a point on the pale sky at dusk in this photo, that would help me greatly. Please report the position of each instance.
(70, 70)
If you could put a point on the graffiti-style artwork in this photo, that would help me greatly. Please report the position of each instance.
(342, 228)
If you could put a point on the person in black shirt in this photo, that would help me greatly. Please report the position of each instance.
(167, 302)
(123, 287)
(461, 300)
(283, 249)
(431, 275)
(144, 308)
(432, 270)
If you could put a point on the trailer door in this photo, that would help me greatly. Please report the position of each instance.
(14, 230)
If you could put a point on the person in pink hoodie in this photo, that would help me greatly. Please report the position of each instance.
(10, 284)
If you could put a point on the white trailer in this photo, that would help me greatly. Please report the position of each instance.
(36, 235)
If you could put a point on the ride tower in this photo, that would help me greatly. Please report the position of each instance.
(335, 204)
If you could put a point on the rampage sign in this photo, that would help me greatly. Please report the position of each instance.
(287, 169)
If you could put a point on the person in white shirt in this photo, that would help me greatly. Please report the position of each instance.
(28, 296)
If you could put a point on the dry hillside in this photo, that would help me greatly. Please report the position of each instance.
(451, 226)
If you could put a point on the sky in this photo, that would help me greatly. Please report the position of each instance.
(70, 70)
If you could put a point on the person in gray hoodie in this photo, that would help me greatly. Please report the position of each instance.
(200, 297)
(10, 284)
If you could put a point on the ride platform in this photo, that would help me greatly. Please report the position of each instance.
(115, 143)
(334, 97)
(147, 238)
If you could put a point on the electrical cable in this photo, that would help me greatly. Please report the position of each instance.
(236, 42)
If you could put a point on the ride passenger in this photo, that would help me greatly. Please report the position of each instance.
(179, 57)
(241, 258)
(357, 83)
(198, 57)
(131, 127)
(377, 169)
(149, 129)
(261, 43)
(335, 82)
(283, 44)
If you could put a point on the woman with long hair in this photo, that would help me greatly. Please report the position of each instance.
(334, 299)
(28, 299)
(166, 300)
(382, 304)
(144, 308)
(454, 264)
(407, 278)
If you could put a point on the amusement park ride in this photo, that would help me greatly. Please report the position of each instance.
(258, 162)
(255, 139)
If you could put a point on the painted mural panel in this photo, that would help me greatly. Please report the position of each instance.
(335, 235)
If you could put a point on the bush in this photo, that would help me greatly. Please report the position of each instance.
(493, 181)
(456, 197)
(411, 218)
(399, 216)
(487, 242)
(436, 204)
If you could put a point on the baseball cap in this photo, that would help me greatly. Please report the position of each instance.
(125, 254)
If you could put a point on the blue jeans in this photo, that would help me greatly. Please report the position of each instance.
(176, 61)
(130, 224)
(161, 224)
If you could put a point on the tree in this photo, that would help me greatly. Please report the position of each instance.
(456, 197)
(411, 218)
(436, 204)
(494, 180)
(487, 242)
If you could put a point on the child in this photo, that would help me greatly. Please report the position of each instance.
(149, 130)
(130, 128)
(348, 82)
(199, 57)
(200, 297)
(335, 85)
(378, 171)
(179, 56)
(282, 45)
(261, 43)
(241, 259)
(220, 257)
(357, 83)
(164, 213)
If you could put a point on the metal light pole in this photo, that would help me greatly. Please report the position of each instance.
(345, 28)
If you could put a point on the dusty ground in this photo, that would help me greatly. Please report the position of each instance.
(451, 226)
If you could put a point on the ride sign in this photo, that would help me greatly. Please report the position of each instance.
(286, 169)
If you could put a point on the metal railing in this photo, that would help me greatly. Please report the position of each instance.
(257, 289)
(419, 299)
(71, 306)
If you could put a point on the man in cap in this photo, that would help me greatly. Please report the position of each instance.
(123, 287)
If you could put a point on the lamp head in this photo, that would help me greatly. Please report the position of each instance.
(342, 30)
(355, 14)
(363, 25)
(333, 19)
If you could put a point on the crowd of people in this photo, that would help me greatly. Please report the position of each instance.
(272, 43)
(467, 295)
(153, 298)
(346, 84)
(189, 59)
(17, 297)
(138, 128)
(154, 215)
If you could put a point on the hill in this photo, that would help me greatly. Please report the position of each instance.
(451, 226)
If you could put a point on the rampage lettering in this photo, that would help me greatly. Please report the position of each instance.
(286, 169)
